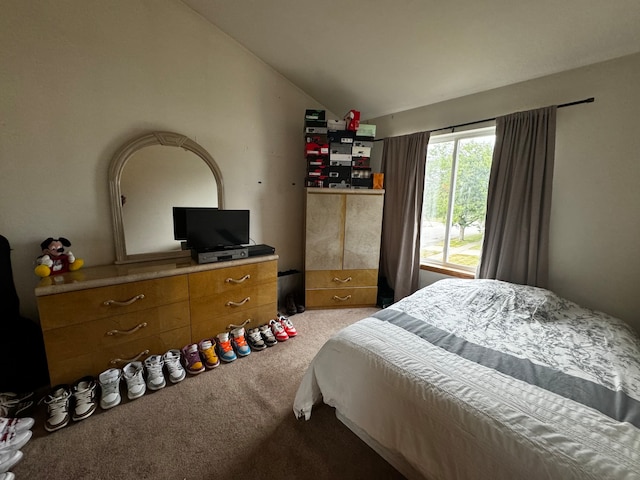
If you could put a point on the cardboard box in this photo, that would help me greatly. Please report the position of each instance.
(317, 182)
(320, 139)
(365, 183)
(316, 130)
(315, 123)
(339, 185)
(360, 162)
(315, 149)
(340, 163)
(318, 171)
(363, 138)
(361, 151)
(341, 157)
(362, 143)
(360, 172)
(339, 174)
(336, 125)
(365, 130)
(341, 136)
(314, 115)
(319, 161)
(340, 148)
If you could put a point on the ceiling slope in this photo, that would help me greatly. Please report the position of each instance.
(386, 56)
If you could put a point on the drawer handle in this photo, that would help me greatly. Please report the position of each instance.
(237, 304)
(231, 326)
(243, 279)
(127, 332)
(115, 361)
(124, 304)
(342, 299)
(336, 279)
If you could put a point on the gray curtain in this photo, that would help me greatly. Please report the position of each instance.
(403, 165)
(516, 238)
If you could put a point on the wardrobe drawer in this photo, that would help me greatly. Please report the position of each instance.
(341, 278)
(71, 367)
(232, 279)
(205, 325)
(119, 329)
(341, 297)
(79, 306)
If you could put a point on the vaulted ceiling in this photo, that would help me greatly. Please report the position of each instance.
(386, 56)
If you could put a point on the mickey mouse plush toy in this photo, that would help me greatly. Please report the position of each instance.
(54, 260)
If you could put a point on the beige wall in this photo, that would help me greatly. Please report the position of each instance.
(595, 221)
(79, 78)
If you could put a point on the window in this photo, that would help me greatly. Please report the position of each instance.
(455, 199)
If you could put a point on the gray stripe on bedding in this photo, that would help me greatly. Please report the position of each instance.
(614, 404)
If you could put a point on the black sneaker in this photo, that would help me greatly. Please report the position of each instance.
(255, 340)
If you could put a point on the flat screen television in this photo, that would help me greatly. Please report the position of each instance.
(180, 221)
(210, 229)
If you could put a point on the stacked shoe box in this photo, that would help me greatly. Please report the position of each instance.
(361, 176)
(316, 149)
(338, 152)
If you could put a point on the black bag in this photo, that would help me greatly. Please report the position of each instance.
(23, 367)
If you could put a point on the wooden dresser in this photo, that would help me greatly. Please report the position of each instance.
(342, 247)
(101, 317)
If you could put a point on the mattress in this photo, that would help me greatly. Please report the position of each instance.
(479, 379)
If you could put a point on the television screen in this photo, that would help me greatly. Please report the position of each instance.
(209, 229)
(180, 220)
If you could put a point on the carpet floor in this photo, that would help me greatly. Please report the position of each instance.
(233, 422)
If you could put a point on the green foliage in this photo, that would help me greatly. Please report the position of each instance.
(471, 183)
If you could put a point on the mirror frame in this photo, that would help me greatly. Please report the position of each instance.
(119, 161)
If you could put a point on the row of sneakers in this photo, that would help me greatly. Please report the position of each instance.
(81, 398)
(14, 434)
(76, 402)
(228, 346)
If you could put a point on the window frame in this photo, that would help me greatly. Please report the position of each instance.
(443, 266)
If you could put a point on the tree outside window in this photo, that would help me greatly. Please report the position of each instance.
(455, 198)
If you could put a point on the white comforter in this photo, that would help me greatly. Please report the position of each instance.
(450, 415)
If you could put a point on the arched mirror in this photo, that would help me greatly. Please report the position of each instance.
(149, 176)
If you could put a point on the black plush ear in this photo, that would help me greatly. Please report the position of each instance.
(64, 242)
(46, 243)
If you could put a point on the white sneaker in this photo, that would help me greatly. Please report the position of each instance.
(135, 380)
(7, 476)
(12, 441)
(16, 424)
(155, 376)
(84, 393)
(174, 367)
(110, 385)
(58, 408)
(8, 459)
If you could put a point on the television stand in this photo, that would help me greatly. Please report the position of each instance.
(211, 255)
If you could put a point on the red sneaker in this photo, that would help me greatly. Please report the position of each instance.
(287, 325)
(278, 330)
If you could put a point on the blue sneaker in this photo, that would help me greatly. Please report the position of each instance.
(224, 348)
(239, 342)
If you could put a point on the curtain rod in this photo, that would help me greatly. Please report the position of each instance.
(453, 127)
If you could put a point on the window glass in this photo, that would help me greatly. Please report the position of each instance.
(455, 199)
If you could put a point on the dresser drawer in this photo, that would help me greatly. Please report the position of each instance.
(204, 325)
(233, 279)
(69, 368)
(341, 278)
(109, 332)
(234, 301)
(80, 306)
(341, 297)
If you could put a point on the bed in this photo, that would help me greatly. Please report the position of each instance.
(483, 379)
